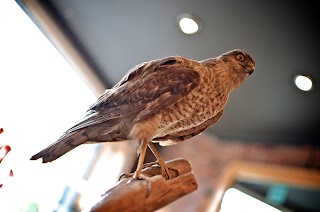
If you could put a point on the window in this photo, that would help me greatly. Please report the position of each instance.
(40, 97)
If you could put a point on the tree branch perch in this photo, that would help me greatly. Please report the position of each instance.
(133, 195)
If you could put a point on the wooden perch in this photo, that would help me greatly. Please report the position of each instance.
(133, 195)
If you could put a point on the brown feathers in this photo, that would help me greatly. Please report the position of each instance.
(167, 100)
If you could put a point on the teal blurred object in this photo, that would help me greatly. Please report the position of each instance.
(277, 194)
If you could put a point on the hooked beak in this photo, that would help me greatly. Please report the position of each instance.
(250, 67)
(249, 71)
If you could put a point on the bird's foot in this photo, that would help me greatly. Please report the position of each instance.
(125, 175)
(147, 165)
(164, 168)
(134, 176)
(137, 176)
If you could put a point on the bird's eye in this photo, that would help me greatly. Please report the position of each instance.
(240, 57)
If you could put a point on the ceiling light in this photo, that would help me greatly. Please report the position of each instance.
(304, 83)
(188, 23)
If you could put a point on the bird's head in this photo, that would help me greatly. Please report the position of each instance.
(238, 61)
(235, 66)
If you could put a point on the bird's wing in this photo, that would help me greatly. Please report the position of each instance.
(146, 89)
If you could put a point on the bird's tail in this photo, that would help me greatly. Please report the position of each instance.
(61, 146)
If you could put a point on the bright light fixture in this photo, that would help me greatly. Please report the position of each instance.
(188, 24)
(304, 83)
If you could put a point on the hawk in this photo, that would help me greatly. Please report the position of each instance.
(163, 101)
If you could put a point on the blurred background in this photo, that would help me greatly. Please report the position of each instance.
(58, 56)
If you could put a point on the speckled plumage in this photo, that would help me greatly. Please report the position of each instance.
(167, 101)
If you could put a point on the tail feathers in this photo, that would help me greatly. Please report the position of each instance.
(60, 147)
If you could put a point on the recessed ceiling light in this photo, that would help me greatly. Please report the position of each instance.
(304, 83)
(188, 23)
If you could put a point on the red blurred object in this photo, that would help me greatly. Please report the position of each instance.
(3, 152)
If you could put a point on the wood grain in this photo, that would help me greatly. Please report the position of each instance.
(151, 194)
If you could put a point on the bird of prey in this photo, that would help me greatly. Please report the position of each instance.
(163, 101)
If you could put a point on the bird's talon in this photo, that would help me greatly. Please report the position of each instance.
(147, 165)
(125, 175)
